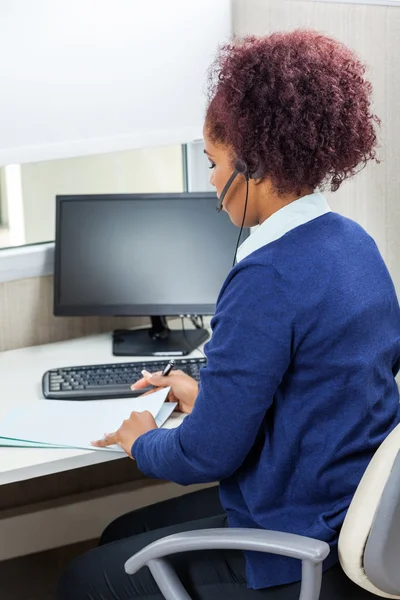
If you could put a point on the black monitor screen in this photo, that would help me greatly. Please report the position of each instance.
(141, 254)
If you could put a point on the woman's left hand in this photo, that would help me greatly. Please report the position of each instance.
(130, 430)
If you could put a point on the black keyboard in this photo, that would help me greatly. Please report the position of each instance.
(97, 382)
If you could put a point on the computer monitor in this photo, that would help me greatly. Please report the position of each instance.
(153, 255)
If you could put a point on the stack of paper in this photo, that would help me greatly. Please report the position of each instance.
(74, 424)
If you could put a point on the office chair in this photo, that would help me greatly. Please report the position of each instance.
(369, 542)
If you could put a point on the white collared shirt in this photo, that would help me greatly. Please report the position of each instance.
(284, 220)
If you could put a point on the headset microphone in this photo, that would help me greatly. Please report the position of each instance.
(240, 169)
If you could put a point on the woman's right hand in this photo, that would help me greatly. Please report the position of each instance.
(184, 389)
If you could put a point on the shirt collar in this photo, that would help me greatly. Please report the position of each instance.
(292, 215)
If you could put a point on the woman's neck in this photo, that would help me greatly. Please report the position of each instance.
(271, 202)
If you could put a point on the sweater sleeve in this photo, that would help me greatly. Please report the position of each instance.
(247, 357)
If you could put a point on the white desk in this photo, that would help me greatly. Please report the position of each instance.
(20, 380)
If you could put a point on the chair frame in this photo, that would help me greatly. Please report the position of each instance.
(310, 551)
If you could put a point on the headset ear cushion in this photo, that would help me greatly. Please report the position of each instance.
(241, 166)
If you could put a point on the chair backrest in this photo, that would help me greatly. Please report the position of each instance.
(369, 542)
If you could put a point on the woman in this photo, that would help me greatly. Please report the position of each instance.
(299, 389)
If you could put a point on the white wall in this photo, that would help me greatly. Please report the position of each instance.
(3, 200)
(91, 76)
(371, 197)
(135, 171)
(376, 2)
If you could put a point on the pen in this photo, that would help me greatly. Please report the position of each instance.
(168, 368)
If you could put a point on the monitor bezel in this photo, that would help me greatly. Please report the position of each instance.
(125, 310)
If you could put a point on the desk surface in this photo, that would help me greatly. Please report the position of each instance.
(20, 376)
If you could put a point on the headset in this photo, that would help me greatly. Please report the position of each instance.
(240, 168)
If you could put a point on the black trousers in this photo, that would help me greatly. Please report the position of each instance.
(212, 575)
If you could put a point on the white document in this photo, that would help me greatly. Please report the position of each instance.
(75, 424)
(25, 444)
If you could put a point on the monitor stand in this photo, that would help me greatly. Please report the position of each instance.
(158, 340)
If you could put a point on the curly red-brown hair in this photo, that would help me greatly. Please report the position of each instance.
(295, 105)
